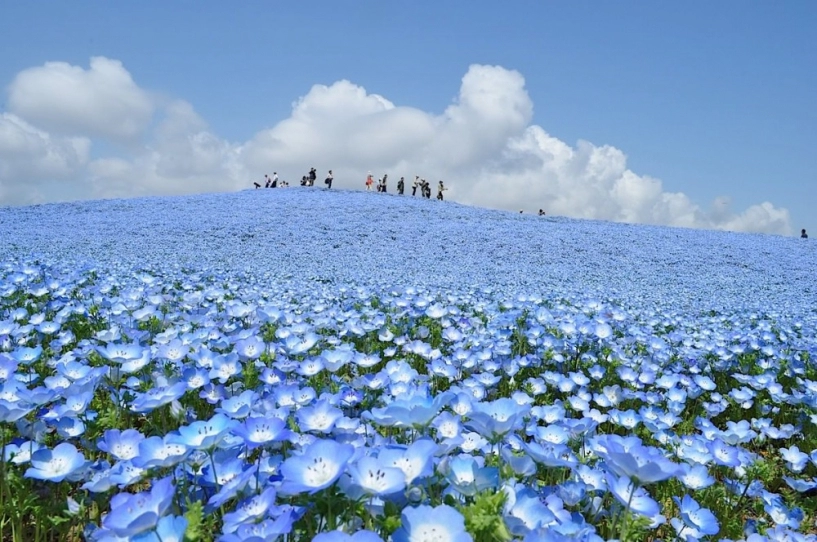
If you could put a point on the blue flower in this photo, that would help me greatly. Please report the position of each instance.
(634, 498)
(251, 510)
(320, 465)
(168, 529)
(320, 417)
(695, 522)
(133, 514)
(426, 524)
(370, 476)
(629, 457)
(204, 435)
(63, 462)
(259, 431)
(414, 411)
(467, 477)
(160, 452)
(158, 396)
(416, 461)
(122, 445)
(496, 418)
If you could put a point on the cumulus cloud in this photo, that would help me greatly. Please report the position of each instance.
(30, 158)
(101, 101)
(483, 145)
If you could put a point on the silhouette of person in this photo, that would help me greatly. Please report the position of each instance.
(803, 234)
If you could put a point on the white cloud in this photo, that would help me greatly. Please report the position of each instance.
(483, 145)
(30, 158)
(102, 101)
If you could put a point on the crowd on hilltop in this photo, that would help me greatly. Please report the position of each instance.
(382, 183)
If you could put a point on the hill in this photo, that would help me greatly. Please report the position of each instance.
(381, 240)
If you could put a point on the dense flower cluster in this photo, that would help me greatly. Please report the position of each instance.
(344, 366)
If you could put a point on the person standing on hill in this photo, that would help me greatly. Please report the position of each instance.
(328, 181)
(401, 185)
(803, 234)
(440, 190)
(414, 185)
(369, 181)
(385, 177)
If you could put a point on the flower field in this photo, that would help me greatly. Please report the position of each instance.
(302, 364)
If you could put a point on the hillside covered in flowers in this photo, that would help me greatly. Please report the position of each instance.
(302, 364)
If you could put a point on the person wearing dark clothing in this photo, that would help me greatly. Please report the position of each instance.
(328, 181)
(803, 234)
(414, 185)
(385, 177)
(313, 174)
(257, 186)
(401, 185)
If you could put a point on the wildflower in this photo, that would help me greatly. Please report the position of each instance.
(317, 468)
(426, 524)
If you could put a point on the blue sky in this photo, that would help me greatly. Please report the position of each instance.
(715, 99)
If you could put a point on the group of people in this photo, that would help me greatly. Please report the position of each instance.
(382, 183)
(422, 184)
(306, 180)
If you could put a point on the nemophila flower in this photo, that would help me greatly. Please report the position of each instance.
(524, 510)
(258, 431)
(550, 455)
(695, 522)
(335, 359)
(795, 460)
(55, 465)
(695, 476)
(205, 434)
(195, 377)
(225, 367)
(320, 417)
(68, 428)
(125, 473)
(496, 418)
(723, 454)
(799, 485)
(296, 345)
(158, 396)
(310, 367)
(239, 406)
(467, 477)
(134, 514)
(251, 510)
(20, 453)
(631, 496)
(8, 366)
(370, 476)
(426, 524)
(250, 348)
(318, 467)
(413, 411)
(27, 356)
(268, 529)
(160, 452)
(629, 457)
(416, 460)
(168, 529)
